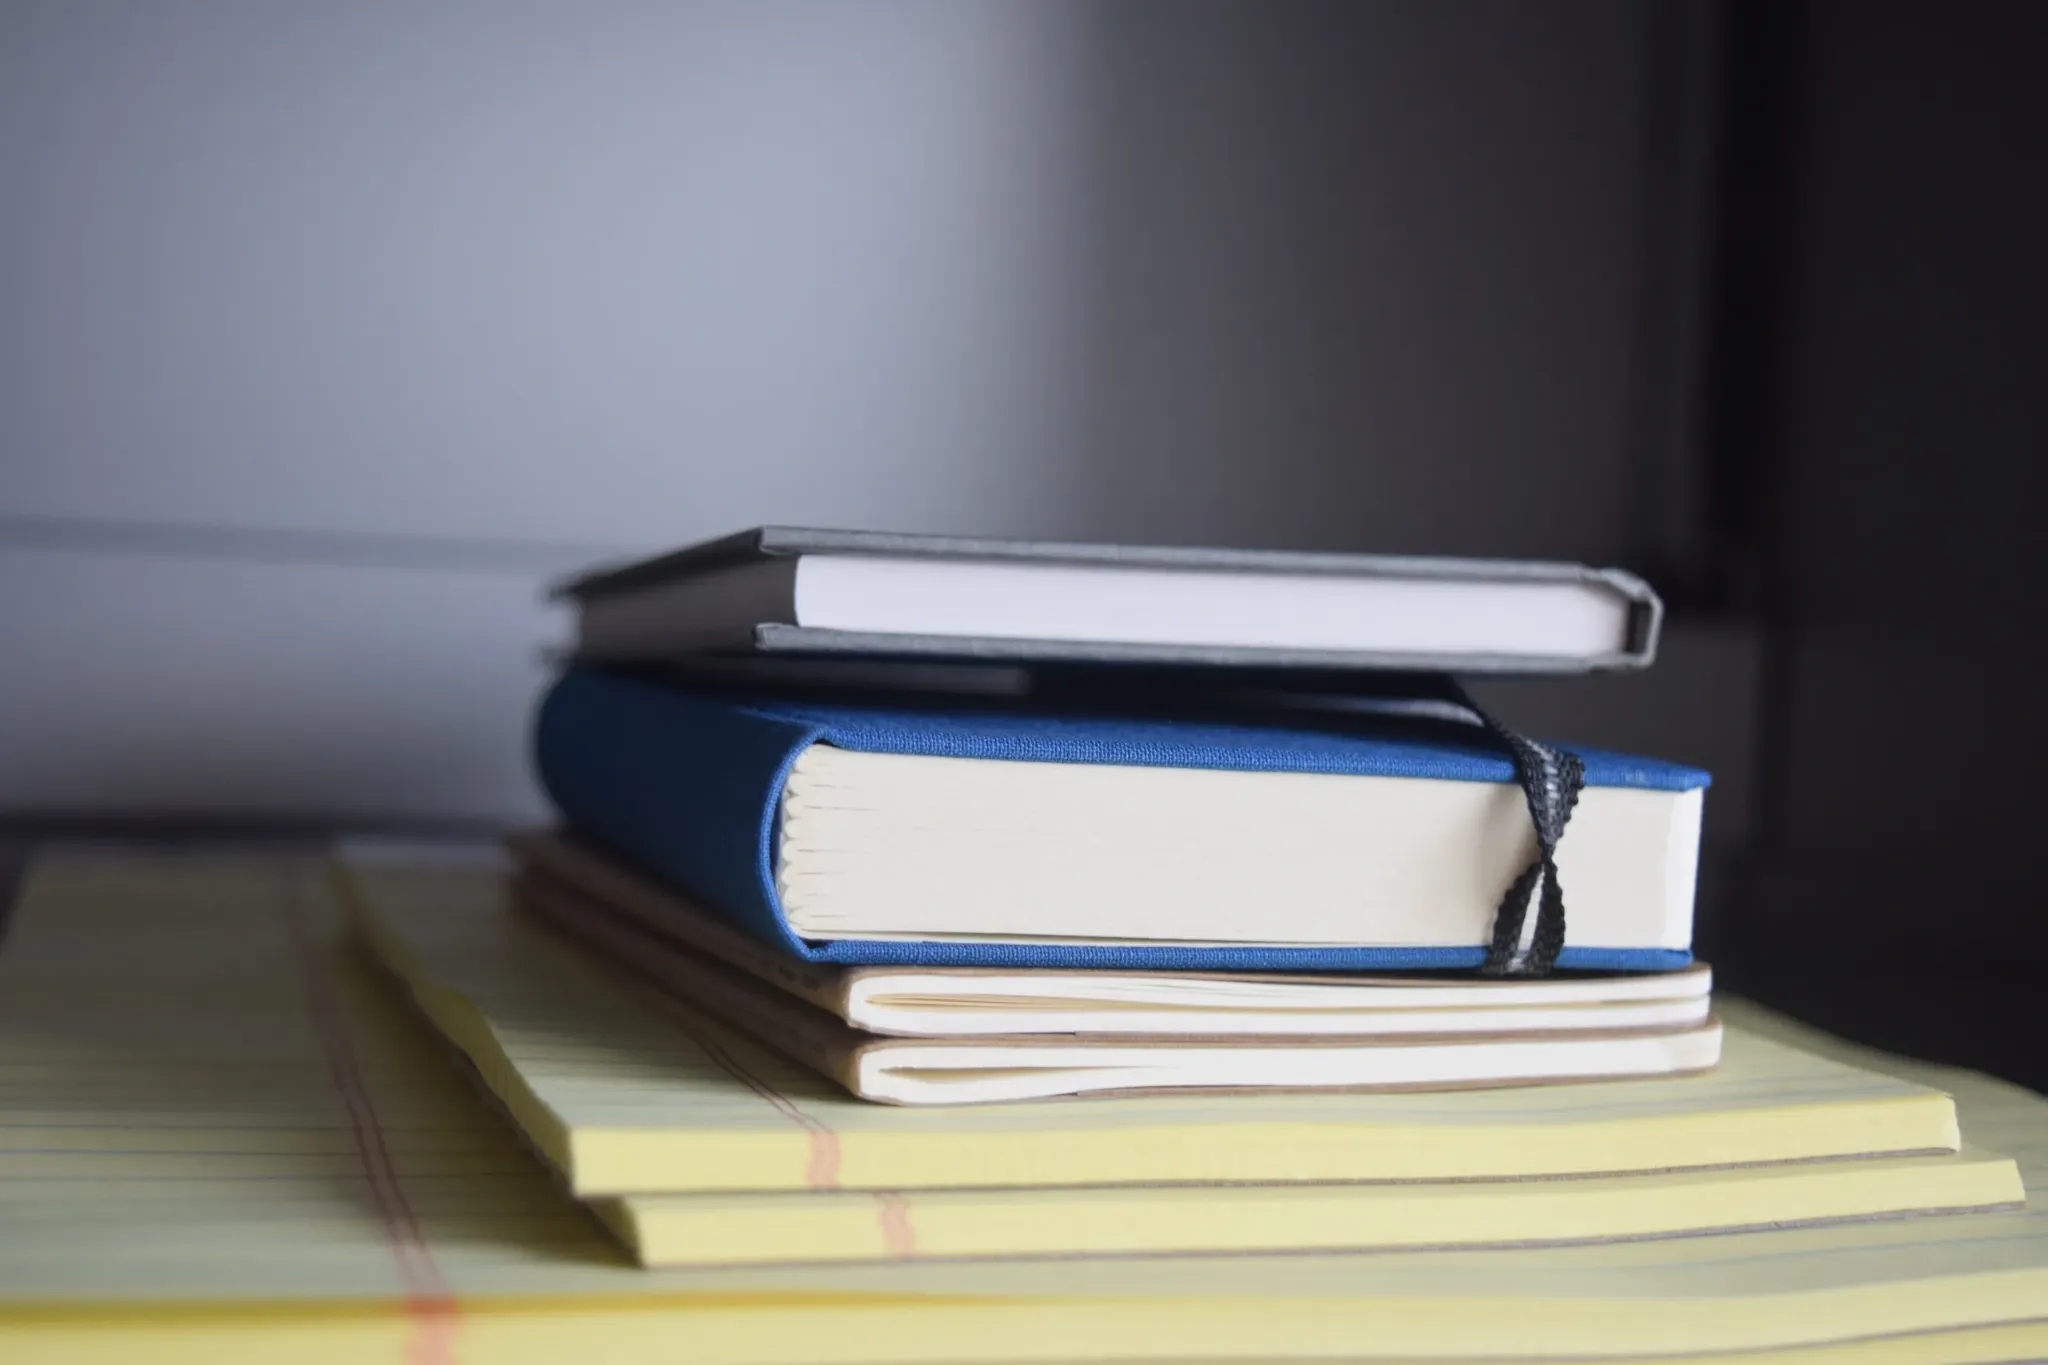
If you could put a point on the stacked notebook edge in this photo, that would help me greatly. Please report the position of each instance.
(664, 940)
(639, 1111)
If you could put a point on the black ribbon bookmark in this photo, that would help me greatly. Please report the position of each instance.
(1551, 780)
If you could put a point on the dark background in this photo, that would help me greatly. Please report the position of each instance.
(1879, 422)
(329, 334)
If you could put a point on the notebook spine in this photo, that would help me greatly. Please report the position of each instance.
(684, 789)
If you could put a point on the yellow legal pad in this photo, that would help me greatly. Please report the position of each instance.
(222, 1138)
(853, 1225)
(627, 1094)
(441, 927)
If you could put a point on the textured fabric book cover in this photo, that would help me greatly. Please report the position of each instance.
(687, 785)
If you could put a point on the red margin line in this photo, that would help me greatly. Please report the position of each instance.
(822, 1171)
(428, 1301)
(892, 1212)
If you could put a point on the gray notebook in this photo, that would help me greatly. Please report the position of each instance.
(793, 592)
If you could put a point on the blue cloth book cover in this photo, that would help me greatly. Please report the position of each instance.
(686, 785)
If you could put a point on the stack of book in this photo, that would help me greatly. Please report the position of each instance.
(962, 826)
(1163, 851)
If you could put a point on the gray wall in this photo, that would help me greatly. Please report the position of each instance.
(330, 331)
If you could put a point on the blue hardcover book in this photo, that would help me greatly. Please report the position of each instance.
(863, 835)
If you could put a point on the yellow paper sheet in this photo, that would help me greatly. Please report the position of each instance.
(779, 1227)
(221, 1138)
